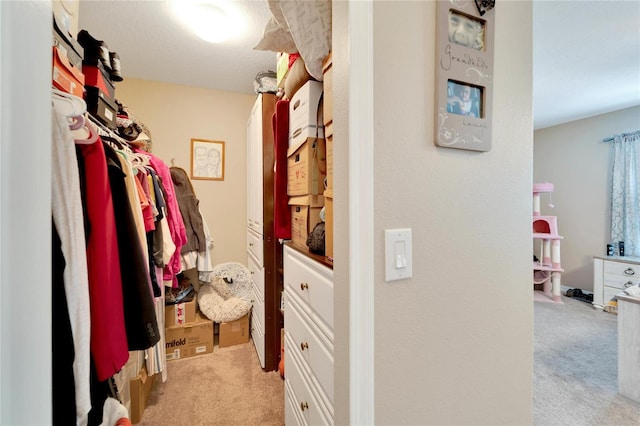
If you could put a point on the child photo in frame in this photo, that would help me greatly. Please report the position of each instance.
(465, 30)
(464, 99)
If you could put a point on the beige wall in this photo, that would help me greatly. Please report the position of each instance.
(453, 345)
(175, 114)
(575, 159)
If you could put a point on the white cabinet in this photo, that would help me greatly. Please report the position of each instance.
(309, 387)
(264, 253)
(611, 275)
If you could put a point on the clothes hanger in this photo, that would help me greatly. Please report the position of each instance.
(91, 137)
(70, 106)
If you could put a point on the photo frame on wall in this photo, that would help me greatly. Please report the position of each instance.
(464, 74)
(207, 159)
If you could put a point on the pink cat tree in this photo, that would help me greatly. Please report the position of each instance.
(547, 270)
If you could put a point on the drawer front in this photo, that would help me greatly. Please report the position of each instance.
(621, 268)
(620, 281)
(255, 247)
(258, 307)
(257, 335)
(291, 408)
(311, 347)
(312, 283)
(257, 275)
(303, 395)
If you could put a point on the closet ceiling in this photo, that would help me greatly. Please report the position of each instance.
(586, 54)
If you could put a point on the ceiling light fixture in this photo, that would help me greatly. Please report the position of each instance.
(214, 21)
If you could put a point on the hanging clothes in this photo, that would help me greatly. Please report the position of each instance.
(67, 213)
(189, 210)
(109, 348)
(139, 312)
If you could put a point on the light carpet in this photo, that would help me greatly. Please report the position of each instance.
(576, 367)
(226, 387)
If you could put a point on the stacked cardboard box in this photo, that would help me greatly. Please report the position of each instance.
(184, 338)
(327, 71)
(306, 162)
(234, 332)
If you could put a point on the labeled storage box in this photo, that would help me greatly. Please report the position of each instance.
(67, 45)
(305, 215)
(140, 388)
(305, 114)
(101, 107)
(65, 76)
(189, 340)
(328, 223)
(307, 168)
(180, 313)
(234, 332)
(327, 98)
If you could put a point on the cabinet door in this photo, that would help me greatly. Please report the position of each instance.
(254, 168)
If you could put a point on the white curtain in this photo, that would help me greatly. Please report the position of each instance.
(625, 192)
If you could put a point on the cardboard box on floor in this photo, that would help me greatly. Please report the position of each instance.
(234, 332)
(188, 340)
(180, 313)
(139, 388)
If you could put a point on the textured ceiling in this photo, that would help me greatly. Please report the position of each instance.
(586, 53)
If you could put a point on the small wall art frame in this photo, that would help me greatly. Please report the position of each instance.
(464, 74)
(207, 159)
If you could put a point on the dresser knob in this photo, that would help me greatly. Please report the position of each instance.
(250, 244)
(628, 284)
(304, 345)
(629, 271)
(304, 406)
(304, 286)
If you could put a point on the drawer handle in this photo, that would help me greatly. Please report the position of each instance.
(304, 406)
(628, 284)
(250, 244)
(629, 271)
(304, 345)
(304, 286)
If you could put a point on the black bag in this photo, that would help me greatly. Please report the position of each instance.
(315, 240)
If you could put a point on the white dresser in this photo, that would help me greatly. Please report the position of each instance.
(611, 275)
(308, 351)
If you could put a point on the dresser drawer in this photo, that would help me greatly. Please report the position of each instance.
(255, 246)
(302, 392)
(621, 268)
(257, 335)
(257, 275)
(315, 350)
(258, 307)
(291, 409)
(312, 283)
(619, 281)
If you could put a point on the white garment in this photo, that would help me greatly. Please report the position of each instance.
(200, 260)
(66, 208)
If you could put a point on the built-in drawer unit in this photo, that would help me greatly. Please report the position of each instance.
(255, 246)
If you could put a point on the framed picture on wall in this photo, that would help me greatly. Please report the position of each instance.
(464, 74)
(207, 159)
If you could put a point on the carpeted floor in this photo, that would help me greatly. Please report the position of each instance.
(576, 367)
(226, 387)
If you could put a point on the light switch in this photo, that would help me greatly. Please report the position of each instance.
(398, 263)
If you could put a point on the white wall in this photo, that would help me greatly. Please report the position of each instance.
(25, 213)
(575, 159)
(453, 345)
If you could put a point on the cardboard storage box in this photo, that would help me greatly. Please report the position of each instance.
(140, 388)
(329, 148)
(186, 341)
(305, 114)
(180, 313)
(327, 75)
(328, 223)
(234, 332)
(305, 215)
(307, 168)
(65, 76)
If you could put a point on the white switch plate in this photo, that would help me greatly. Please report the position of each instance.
(398, 256)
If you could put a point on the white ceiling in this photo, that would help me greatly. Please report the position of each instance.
(586, 54)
